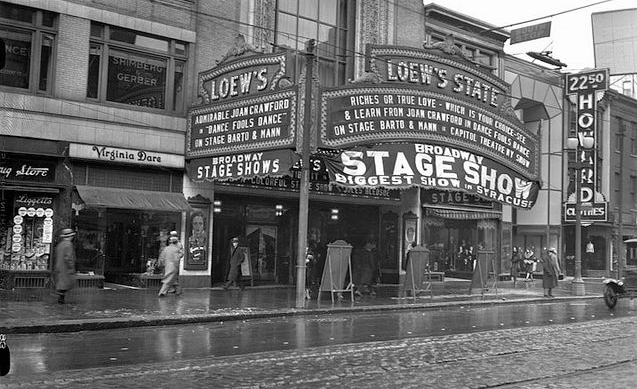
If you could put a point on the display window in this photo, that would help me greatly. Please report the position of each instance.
(26, 231)
(29, 37)
(130, 67)
(116, 242)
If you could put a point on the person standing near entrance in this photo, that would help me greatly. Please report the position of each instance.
(169, 258)
(516, 259)
(64, 264)
(237, 256)
(551, 272)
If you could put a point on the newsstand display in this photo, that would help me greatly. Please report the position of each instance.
(26, 238)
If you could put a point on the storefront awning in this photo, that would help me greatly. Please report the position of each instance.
(462, 215)
(97, 197)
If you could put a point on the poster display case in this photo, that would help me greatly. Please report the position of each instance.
(26, 239)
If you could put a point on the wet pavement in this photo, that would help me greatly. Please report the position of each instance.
(115, 306)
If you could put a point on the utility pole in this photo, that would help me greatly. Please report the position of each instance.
(305, 176)
(621, 260)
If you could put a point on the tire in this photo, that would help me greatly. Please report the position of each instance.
(610, 296)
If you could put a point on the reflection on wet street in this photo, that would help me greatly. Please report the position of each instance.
(53, 352)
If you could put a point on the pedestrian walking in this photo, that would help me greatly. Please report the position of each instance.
(529, 264)
(64, 264)
(516, 259)
(551, 272)
(169, 258)
(179, 245)
(236, 258)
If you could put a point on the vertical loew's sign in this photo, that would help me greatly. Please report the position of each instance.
(585, 89)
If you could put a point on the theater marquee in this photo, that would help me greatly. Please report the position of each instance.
(439, 100)
(248, 105)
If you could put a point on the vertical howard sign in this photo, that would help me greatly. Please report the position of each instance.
(448, 122)
(585, 90)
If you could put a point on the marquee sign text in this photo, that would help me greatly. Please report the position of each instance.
(247, 105)
(431, 166)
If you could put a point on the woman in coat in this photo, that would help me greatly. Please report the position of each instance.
(64, 264)
(551, 272)
(169, 258)
(516, 258)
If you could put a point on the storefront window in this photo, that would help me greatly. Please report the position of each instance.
(26, 230)
(128, 240)
(141, 69)
(29, 50)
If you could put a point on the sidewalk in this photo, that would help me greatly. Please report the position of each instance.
(116, 306)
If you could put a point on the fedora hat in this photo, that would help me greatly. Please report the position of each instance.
(235, 239)
(552, 250)
(174, 233)
(67, 233)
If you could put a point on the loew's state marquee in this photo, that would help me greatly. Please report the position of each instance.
(430, 118)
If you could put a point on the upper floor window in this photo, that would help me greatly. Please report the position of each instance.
(326, 21)
(29, 37)
(619, 135)
(479, 55)
(633, 191)
(633, 138)
(134, 68)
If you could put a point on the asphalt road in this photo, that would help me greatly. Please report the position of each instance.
(343, 350)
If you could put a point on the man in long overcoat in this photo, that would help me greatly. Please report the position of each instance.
(169, 258)
(237, 256)
(551, 272)
(64, 264)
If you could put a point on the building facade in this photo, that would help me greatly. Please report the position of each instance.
(96, 96)
(93, 103)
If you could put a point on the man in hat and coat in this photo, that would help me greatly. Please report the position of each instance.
(237, 256)
(169, 258)
(551, 272)
(64, 264)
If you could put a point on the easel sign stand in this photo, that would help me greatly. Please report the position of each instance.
(246, 266)
(418, 277)
(337, 264)
(484, 268)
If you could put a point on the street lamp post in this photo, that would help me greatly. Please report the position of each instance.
(577, 144)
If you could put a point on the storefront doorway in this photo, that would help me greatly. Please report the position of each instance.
(262, 241)
(454, 242)
(129, 239)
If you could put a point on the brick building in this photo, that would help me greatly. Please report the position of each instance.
(96, 94)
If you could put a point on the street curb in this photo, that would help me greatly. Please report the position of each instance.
(76, 325)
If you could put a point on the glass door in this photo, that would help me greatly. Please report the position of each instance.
(262, 240)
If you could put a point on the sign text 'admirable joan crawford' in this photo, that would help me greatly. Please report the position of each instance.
(246, 108)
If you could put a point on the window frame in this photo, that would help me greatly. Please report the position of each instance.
(342, 57)
(171, 57)
(472, 51)
(37, 30)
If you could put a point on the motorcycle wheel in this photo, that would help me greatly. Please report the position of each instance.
(610, 296)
